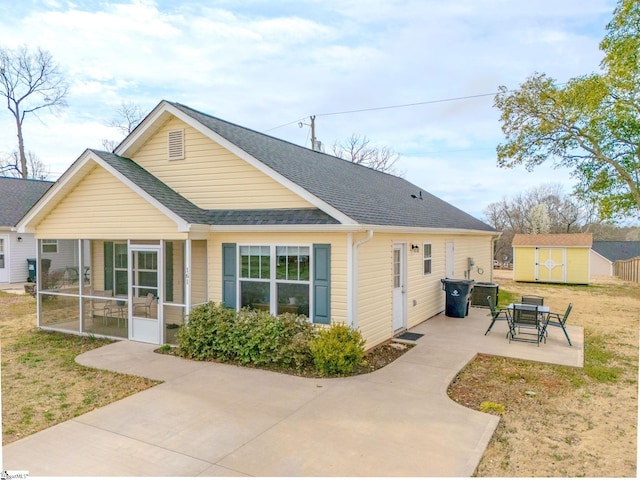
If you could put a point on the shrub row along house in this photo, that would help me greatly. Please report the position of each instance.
(190, 208)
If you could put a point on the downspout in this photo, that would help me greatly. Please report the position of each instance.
(354, 280)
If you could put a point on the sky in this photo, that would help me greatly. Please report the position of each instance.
(417, 76)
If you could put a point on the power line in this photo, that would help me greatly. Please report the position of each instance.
(408, 104)
(403, 105)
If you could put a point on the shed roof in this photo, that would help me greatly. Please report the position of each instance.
(552, 240)
(617, 250)
(18, 196)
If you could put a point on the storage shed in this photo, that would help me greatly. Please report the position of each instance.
(555, 258)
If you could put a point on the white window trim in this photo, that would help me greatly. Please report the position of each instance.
(273, 281)
(430, 257)
(48, 242)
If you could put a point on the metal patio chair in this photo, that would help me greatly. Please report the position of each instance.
(558, 320)
(532, 300)
(526, 324)
(497, 314)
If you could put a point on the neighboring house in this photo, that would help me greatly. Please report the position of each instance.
(17, 196)
(605, 253)
(190, 208)
(557, 258)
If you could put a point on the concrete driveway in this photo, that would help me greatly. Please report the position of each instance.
(211, 419)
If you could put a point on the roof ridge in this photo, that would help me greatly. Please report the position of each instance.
(27, 179)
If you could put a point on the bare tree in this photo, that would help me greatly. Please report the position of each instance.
(30, 81)
(358, 149)
(542, 209)
(128, 116)
(11, 166)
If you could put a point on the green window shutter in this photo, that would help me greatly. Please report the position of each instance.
(229, 275)
(168, 271)
(108, 266)
(322, 283)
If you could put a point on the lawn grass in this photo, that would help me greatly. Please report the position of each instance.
(42, 385)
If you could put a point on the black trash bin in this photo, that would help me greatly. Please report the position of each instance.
(31, 265)
(482, 290)
(458, 293)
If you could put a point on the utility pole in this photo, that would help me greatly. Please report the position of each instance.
(313, 132)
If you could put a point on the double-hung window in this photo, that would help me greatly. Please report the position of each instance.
(275, 278)
(426, 259)
(49, 246)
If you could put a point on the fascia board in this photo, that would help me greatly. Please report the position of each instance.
(348, 228)
(428, 231)
(315, 228)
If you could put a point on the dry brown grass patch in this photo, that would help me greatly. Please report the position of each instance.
(42, 385)
(561, 421)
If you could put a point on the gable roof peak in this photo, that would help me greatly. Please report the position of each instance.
(352, 192)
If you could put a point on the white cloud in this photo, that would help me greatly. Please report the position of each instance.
(264, 64)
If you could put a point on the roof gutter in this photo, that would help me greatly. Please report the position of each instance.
(352, 283)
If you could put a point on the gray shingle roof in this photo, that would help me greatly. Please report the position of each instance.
(196, 215)
(17, 196)
(613, 251)
(365, 195)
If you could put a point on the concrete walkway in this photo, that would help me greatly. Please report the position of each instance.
(211, 419)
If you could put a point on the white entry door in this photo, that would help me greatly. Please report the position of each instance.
(449, 262)
(399, 287)
(144, 291)
(4, 259)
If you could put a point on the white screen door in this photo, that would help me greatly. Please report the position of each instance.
(144, 293)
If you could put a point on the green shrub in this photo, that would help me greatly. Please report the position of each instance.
(337, 350)
(214, 332)
(205, 336)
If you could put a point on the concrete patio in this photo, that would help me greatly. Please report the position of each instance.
(210, 419)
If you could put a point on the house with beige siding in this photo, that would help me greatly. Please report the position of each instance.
(552, 258)
(190, 208)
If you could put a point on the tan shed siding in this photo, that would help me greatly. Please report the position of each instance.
(524, 264)
(577, 265)
(210, 176)
(339, 250)
(103, 207)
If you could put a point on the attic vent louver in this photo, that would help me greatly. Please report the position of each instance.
(176, 144)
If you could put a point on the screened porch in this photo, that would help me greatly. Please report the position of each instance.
(133, 289)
